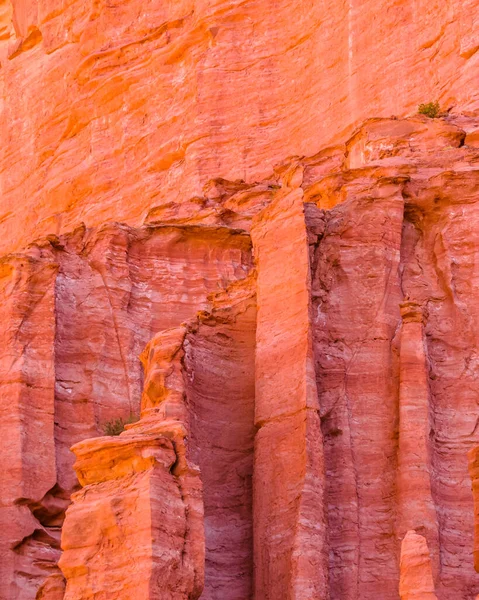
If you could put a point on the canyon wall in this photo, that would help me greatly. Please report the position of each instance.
(204, 233)
(299, 355)
(112, 107)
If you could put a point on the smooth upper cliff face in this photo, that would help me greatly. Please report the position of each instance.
(111, 107)
(308, 393)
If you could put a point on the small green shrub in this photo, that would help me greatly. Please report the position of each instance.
(117, 426)
(431, 109)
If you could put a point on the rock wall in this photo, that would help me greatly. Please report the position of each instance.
(109, 108)
(79, 309)
(307, 399)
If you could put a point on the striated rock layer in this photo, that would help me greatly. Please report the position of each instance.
(308, 394)
(112, 107)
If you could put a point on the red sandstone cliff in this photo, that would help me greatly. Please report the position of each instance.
(307, 396)
(298, 336)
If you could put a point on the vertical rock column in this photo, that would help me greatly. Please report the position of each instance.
(125, 535)
(356, 296)
(474, 473)
(417, 513)
(289, 538)
(29, 547)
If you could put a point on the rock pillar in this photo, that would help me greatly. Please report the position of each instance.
(417, 513)
(289, 538)
(29, 539)
(474, 472)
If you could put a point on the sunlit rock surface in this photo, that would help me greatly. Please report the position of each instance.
(306, 395)
(112, 107)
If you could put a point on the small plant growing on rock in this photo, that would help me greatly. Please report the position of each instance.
(431, 110)
(117, 426)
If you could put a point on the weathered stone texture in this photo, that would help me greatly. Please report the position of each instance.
(308, 394)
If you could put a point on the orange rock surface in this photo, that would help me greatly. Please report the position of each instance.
(289, 518)
(416, 572)
(111, 108)
(474, 472)
(136, 529)
(297, 345)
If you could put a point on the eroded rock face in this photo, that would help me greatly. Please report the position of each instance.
(400, 228)
(30, 538)
(307, 399)
(70, 362)
(196, 536)
(220, 394)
